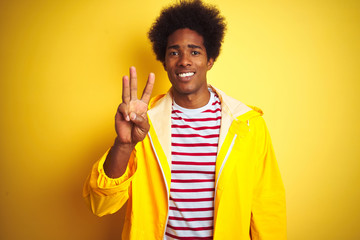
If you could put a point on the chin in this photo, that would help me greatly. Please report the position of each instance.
(183, 88)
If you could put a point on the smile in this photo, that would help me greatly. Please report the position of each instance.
(188, 74)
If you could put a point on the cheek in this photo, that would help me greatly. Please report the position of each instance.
(168, 66)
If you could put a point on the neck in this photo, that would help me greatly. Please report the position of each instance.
(191, 101)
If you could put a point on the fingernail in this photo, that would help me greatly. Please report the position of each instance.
(132, 116)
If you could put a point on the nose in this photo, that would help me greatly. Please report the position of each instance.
(184, 60)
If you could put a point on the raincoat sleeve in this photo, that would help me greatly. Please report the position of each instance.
(107, 195)
(268, 214)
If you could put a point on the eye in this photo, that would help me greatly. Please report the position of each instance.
(173, 53)
(195, 53)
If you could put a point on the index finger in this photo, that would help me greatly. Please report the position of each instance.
(148, 88)
(126, 89)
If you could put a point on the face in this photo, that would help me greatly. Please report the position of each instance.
(186, 63)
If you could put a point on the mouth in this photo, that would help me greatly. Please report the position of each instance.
(185, 74)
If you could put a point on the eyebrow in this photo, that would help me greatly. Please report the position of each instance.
(189, 46)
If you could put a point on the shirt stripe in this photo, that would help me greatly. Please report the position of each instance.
(196, 119)
(195, 128)
(195, 135)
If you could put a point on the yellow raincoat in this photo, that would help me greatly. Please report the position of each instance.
(249, 193)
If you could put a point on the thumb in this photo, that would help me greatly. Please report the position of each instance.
(139, 121)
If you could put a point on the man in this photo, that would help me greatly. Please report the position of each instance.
(193, 163)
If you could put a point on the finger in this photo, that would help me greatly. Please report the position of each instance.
(133, 83)
(148, 88)
(118, 117)
(140, 121)
(126, 89)
(122, 113)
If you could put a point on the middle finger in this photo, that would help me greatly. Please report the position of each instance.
(133, 83)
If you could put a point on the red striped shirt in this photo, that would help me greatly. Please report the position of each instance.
(194, 137)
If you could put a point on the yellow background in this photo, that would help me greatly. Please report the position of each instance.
(60, 75)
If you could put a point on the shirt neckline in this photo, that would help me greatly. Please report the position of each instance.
(195, 110)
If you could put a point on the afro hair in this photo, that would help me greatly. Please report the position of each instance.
(192, 14)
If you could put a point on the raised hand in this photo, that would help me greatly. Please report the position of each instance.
(131, 124)
(131, 121)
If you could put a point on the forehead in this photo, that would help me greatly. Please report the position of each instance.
(184, 37)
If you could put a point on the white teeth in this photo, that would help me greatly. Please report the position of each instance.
(186, 74)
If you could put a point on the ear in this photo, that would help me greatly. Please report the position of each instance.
(210, 63)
